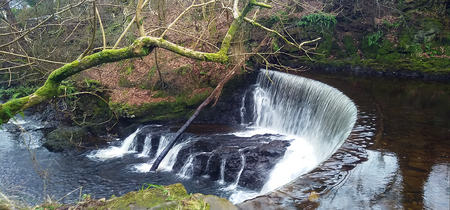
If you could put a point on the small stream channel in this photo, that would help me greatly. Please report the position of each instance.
(396, 156)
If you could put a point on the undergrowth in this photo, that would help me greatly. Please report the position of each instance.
(16, 92)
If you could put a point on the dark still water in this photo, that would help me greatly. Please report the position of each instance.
(397, 157)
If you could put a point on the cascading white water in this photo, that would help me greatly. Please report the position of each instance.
(171, 157)
(147, 146)
(318, 116)
(163, 142)
(128, 146)
(186, 170)
(222, 171)
(167, 163)
(236, 182)
(314, 117)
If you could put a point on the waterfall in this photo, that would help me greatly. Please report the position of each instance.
(163, 142)
(186, 170)
(222, 171)
(318, 117)
(171, 157)
(147, 146)
(236, 182)
(314, 117)
(128, 146)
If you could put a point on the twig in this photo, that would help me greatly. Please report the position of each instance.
(128, 27)
(38, 25)
(94, 25)
(38, 59)
(101, 26)
(193, 5)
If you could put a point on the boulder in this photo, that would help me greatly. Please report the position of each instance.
(64, 138)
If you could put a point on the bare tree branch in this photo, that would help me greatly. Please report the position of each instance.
(38, 25)
(24, 56)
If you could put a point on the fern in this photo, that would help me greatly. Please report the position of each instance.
(318, 21)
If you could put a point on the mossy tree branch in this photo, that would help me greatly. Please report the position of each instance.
(141, 47)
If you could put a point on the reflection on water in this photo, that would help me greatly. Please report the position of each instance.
(397, 156)
(437, 187)
(415, 118)
(374, 184)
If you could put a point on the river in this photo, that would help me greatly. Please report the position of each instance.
(397, 157)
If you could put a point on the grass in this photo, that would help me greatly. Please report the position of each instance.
(9, 203)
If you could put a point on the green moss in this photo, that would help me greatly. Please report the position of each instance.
(369, 51)
(129, 69)
(11, 108)
(180, 108)
(165, 110)
(155, 197)
(148, 198)
(388, 57)
(91, 85)
(326, 46)
(159, 94)
(405, 41)
(386, 47)
(197, 99)
(349, 46)
(124, 82)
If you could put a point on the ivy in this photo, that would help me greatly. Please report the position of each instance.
(373, 38)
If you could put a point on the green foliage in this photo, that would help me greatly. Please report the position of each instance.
(15, 92)
(374, 38)
(159, 94)
(326, 46)
(124, 82)
(349, 45)
(85, 196)
(394, 25)
(129, 69)
(68, 88)
(184, 69)
(275, 45)
(429, 50)
(321, 21)
(197, 99)
(92, 85)
(154, 186)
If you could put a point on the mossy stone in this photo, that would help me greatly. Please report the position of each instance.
(64, 138)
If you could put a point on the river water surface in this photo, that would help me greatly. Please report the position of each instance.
(397, 157)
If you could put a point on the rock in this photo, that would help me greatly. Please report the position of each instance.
(259, 153)
(64, 138)
(155, 198)
(216, 203)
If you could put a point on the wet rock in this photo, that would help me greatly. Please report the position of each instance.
(64, 138)
(227, 109)
(223, 159)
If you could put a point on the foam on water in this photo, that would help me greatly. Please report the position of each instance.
(115, 152)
